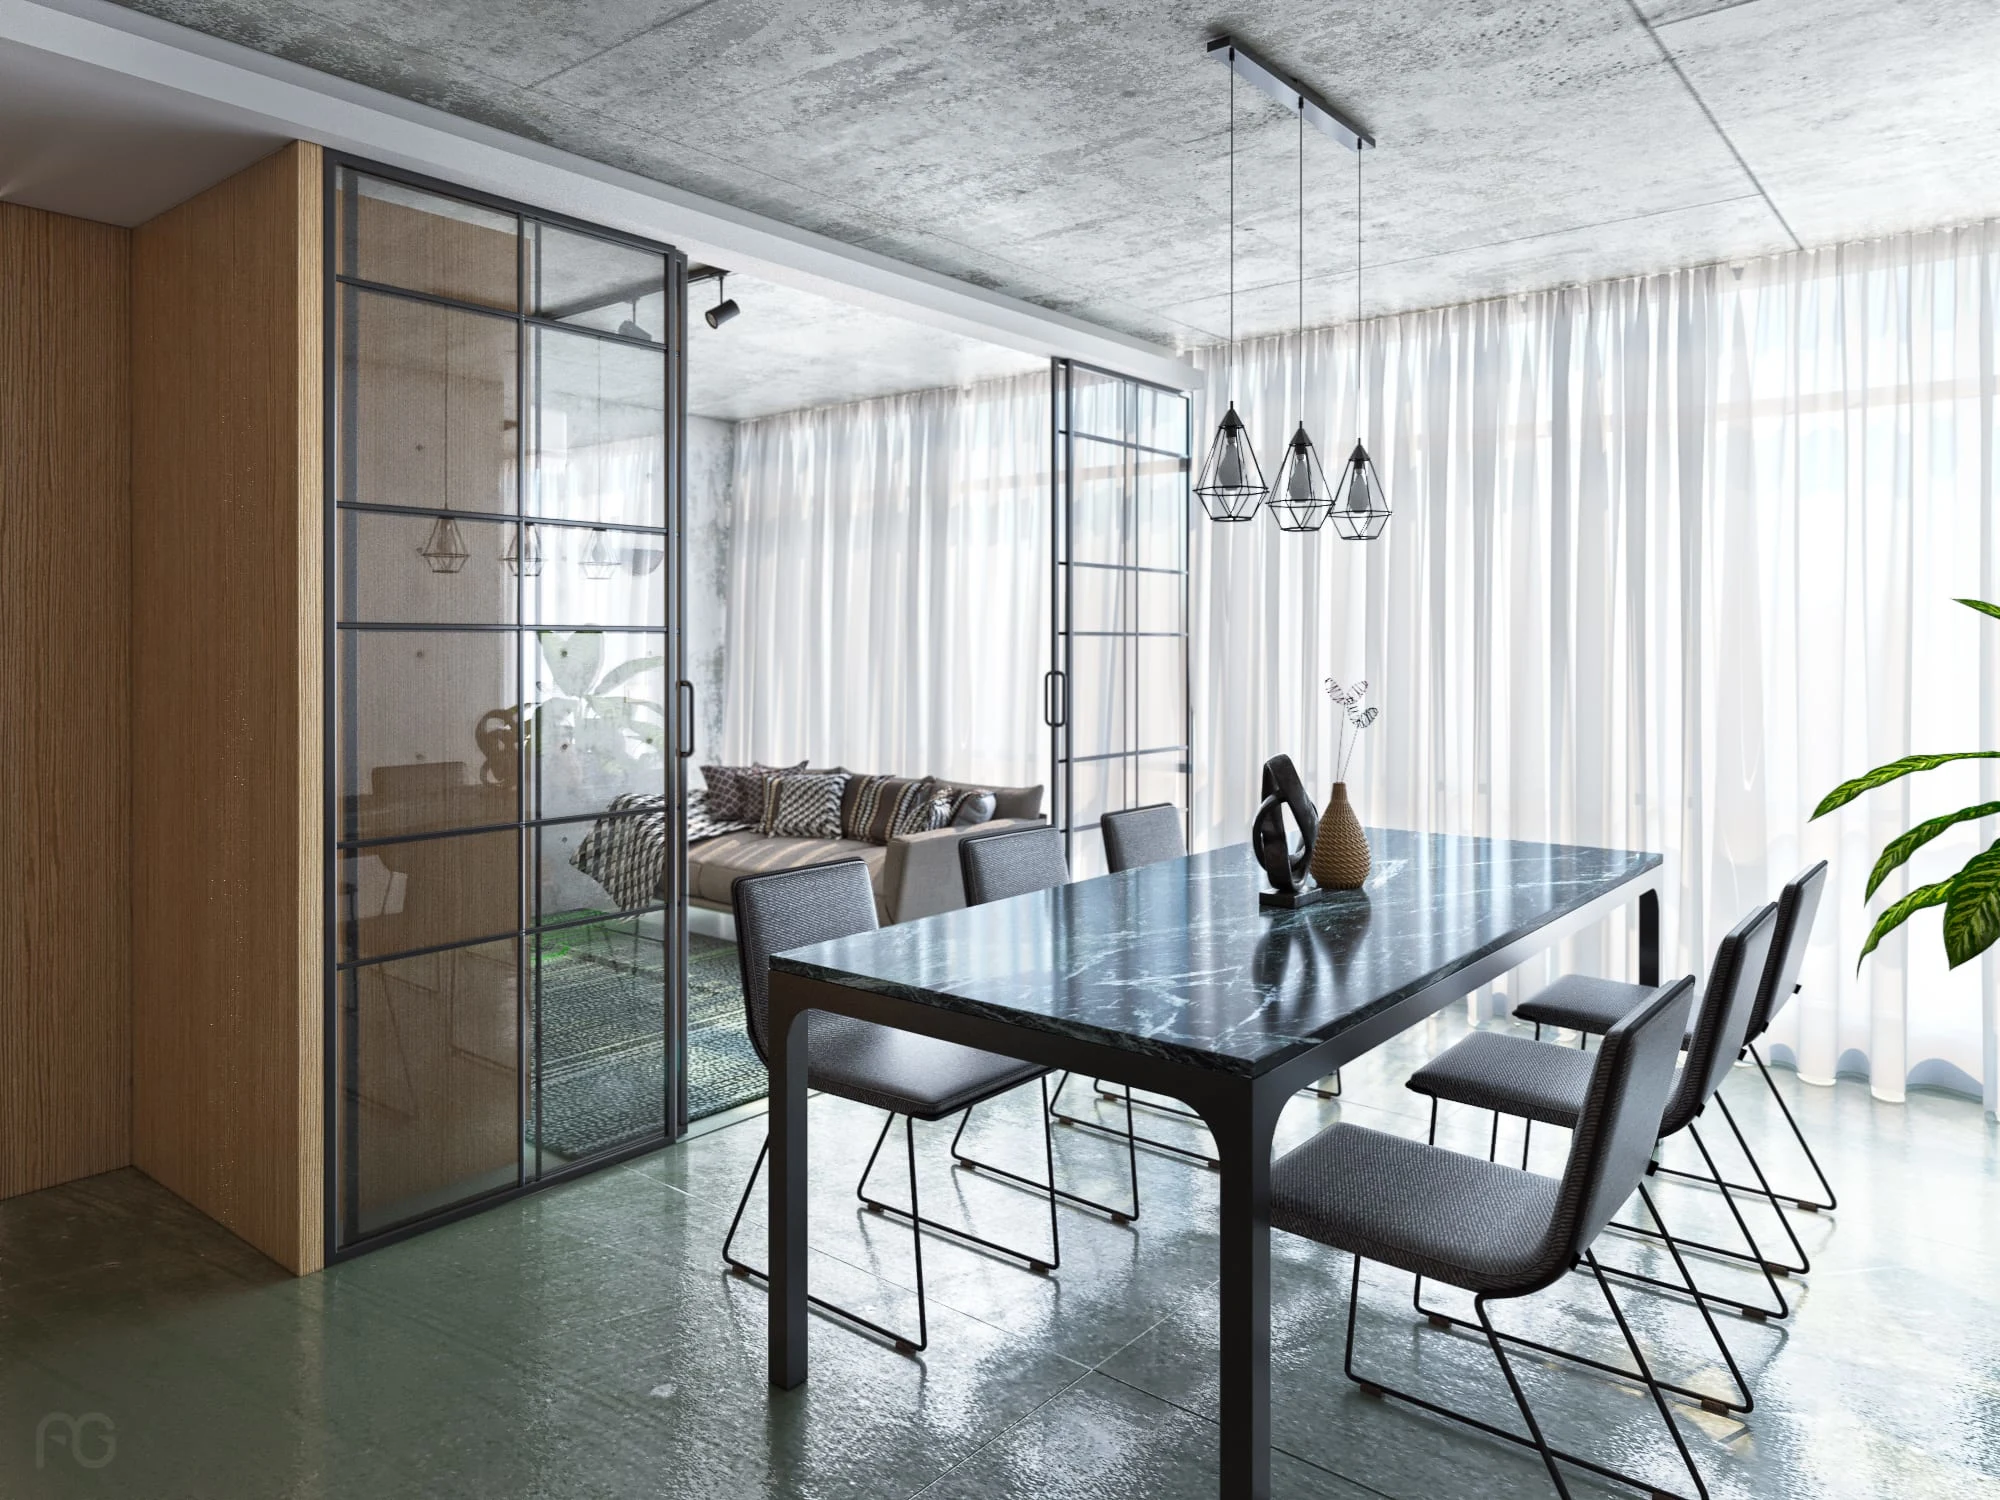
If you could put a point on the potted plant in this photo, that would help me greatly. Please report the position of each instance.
(1971, 897)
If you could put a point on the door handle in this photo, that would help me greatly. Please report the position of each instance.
(1055, 699)
(685, 689)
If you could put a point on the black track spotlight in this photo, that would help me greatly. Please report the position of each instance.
(724, 310)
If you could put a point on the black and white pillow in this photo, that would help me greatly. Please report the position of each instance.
(803, 805)
(736, 793)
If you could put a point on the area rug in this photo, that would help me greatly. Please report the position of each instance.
(602, 1078)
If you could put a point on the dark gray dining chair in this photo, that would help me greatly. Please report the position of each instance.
(1142, 836)
(907, 1075)
(1540, 1081)
(1019, 862)
(1491, 1229)
(1586, 1006)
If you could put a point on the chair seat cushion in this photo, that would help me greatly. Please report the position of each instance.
(1579, 1002)
(1490, 1070)
(1475, 1224)
(904, 1072)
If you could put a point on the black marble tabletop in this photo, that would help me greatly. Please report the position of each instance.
(1178, 960)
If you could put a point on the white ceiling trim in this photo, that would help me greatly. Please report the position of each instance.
(295, 101)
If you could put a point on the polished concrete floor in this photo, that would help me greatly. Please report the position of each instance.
(585, 1342)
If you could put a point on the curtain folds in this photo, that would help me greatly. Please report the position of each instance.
(1671, 557)
(888, 602)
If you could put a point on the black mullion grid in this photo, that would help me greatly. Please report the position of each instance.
(487, 309)
(429, 835)
(475, 628)
(340, 481)
(496, 517)
(1131, 445)
(518, 935)
(1187, 622)
(528, 960)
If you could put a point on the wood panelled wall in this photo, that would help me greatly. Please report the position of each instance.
(227, 813)
(65, 637)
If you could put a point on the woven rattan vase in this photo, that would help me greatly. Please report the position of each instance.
(1340, 851)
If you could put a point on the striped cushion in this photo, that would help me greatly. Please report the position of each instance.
(803, 806)
(878, 808)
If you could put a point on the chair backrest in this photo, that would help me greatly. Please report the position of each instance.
(1142, 836)
(789, 909)
(1798, 904)
(1735, 981)
(1630, 1084)
(999, 865)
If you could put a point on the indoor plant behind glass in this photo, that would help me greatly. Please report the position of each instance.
(1340, 851)
(1970, 898)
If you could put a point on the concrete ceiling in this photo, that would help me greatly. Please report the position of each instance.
(1074, 155)
(790, 349)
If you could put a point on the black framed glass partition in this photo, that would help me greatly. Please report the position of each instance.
(505, 954)
(1117, 694)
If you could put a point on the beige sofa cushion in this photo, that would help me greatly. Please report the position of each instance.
(714, 864)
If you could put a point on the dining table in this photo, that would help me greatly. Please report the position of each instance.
(1177, 979)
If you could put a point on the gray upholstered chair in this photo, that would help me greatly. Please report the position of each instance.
(1019, 862)
(1491, 1229)
(1539, 1081)
(1142, 836)
(997, 866)
(915, 1077)
(1587, 1006)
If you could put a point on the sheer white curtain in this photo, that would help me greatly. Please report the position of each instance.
(1671, 557)
(888, 604)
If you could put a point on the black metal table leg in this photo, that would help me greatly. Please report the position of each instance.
(1242, 1125)
(1649, 937)
(788, 1186)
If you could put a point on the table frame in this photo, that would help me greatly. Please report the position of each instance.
(1241, 1111)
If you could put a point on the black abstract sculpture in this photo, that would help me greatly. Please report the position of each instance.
(1283, 791)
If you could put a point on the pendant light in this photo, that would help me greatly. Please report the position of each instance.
(444, 549)
(600, 557)
(1299, 498)
(1232, 482)
(1361, 509)
(524, 560)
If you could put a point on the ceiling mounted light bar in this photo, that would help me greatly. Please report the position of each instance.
(1290, 92)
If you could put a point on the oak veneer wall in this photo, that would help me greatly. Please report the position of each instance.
(65, 633)
(227, 816)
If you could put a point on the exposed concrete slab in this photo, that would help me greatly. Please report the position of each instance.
(1074, 156)
(1860, 118)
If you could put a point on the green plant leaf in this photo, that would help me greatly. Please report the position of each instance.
(1896, 915)
(573, 658)
(1982, 606)
(1972, 914)
(1847, 791)
(624, 672)
(1904, 845)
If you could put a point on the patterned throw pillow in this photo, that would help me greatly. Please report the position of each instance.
(736, 793)
(943, 800)
(803, 806)
(877, 808)
(914, 810)
(971, 808)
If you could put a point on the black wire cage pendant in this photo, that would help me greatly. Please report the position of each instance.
(1361, 509)
(1300, 500)
(1231, 486)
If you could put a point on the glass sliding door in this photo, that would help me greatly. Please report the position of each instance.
(507, 938)
(1118, 693)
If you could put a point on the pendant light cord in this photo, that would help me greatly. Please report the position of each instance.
(1232, 226)
(1357, 291)
(1302, 260)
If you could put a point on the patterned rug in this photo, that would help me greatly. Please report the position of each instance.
(602, 1079)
